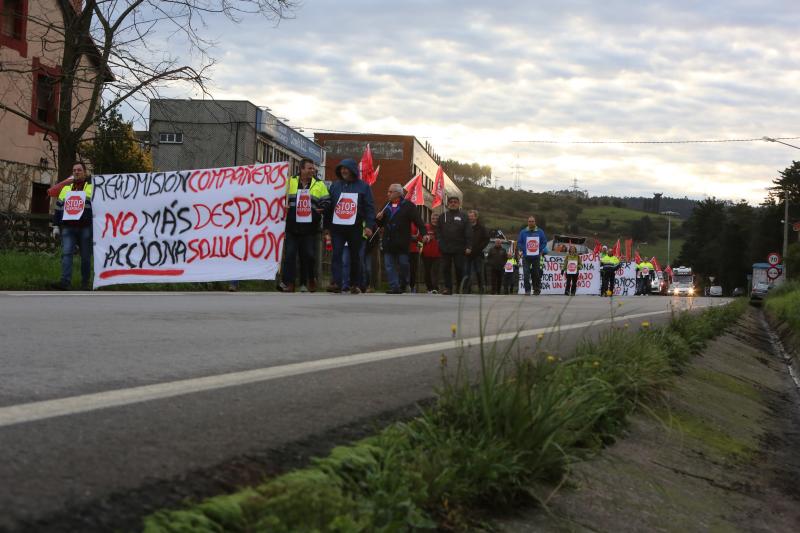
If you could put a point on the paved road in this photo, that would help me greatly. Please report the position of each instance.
(105, 392)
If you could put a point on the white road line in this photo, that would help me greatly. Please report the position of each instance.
(29, 412)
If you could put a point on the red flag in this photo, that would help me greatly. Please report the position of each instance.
(628, 246)
(414, 191)
(617, 250)
(655, 263)
(637, 258)
(438, 188)
(365, 167)
(668, 270)
(597, 247)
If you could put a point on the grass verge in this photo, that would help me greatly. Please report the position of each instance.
(25, 271)
(488, 437)
(783, 303)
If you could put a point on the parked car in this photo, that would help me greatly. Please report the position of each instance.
(715, 290)
(738, 291)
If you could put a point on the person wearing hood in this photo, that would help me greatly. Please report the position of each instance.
(350, 219)
(73, 220)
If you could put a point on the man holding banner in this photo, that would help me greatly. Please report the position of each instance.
(351, 209)
(73, 215)
(532, 242)
(307, 199)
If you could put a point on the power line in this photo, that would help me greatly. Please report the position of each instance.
(687, 141)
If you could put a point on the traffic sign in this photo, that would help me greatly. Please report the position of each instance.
(773, 273)
(773, 258)
(796, 226)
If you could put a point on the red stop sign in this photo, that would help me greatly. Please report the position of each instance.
(346, 208)
(73, 205)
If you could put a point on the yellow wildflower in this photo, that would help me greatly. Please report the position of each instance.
(551, 359)
(443, 360)
(539, 337)
(645, 324)
(596, 364)
(453, 329)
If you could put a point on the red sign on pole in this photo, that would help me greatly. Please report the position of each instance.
(796, 226)
(773, 273)
(774, 258)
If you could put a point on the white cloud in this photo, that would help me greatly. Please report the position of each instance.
(473, 76)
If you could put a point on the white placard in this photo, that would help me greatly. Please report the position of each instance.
(188, 226)
(532, 245)
(302, 208)
(344, 214)
(74, 205)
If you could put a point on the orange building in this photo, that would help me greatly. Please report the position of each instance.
(401, 157)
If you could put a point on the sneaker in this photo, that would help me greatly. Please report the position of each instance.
(312, 285)
(281, 287)
(445, 292)
(355, 290)
(289, 287)
(333, 288)
(394, 291)
(303, 288)
(58, 286)
(370, 290)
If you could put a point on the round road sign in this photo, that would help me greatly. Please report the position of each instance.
(774, 258)
(773, 273)
(796, 226)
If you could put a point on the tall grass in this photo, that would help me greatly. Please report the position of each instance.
(784, 303)
(493, 431)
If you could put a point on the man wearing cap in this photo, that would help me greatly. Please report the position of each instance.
(454, 233)
(350, 219)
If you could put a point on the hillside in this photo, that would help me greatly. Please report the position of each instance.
(604, 219)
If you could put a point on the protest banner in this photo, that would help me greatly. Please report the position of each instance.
(554, 282)
(189, 226)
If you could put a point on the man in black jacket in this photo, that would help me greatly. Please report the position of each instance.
(474, 259)
(395, 219)
(454, 233)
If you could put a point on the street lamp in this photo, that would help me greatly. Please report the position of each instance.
(669, 215)
(785, 209)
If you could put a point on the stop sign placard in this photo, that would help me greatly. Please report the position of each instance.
(773, 258)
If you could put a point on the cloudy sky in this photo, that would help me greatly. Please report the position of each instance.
(475, 77)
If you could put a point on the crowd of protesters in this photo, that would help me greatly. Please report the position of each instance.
(450, 247)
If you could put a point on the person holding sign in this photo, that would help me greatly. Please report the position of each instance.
(351, 210)
(570, 268)
(511, 272)
(307, 199)
(396, 220)
(73, 218)
(532, 242)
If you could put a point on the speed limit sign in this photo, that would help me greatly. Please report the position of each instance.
(774, 258)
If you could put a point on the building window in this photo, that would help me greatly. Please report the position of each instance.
(261, 149)
(40, 202)
(13, 24)
(44, 98)
(170, 138)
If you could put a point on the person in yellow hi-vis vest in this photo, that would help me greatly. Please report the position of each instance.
(72, 218)
(307, 198)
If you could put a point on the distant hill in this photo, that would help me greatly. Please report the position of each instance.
(603, 218)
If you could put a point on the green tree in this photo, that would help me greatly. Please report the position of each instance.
(789, 180)
(473, 172)
(641, 229)
(703, 245)
(116, 149)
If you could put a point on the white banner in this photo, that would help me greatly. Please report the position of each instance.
(554, 282)
(194, 225)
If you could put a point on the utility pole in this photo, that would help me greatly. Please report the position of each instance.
(517, 168)
(785, 211)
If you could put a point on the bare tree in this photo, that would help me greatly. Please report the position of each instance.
(112, 52)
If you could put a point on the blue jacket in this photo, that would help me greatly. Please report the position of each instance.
(366, 205)
(525, 233)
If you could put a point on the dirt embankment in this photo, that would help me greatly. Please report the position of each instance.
(721, 454)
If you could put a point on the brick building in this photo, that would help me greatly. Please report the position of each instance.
(401, 157)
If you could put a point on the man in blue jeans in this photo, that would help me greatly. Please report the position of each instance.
(73, 219)
(532, 242)
(396, 219)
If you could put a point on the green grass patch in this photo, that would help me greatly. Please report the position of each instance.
(783, 303)
(23, 271)
(492, 432)
(713, 438)
(728, 383)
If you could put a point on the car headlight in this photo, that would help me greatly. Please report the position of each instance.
(691, 291)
